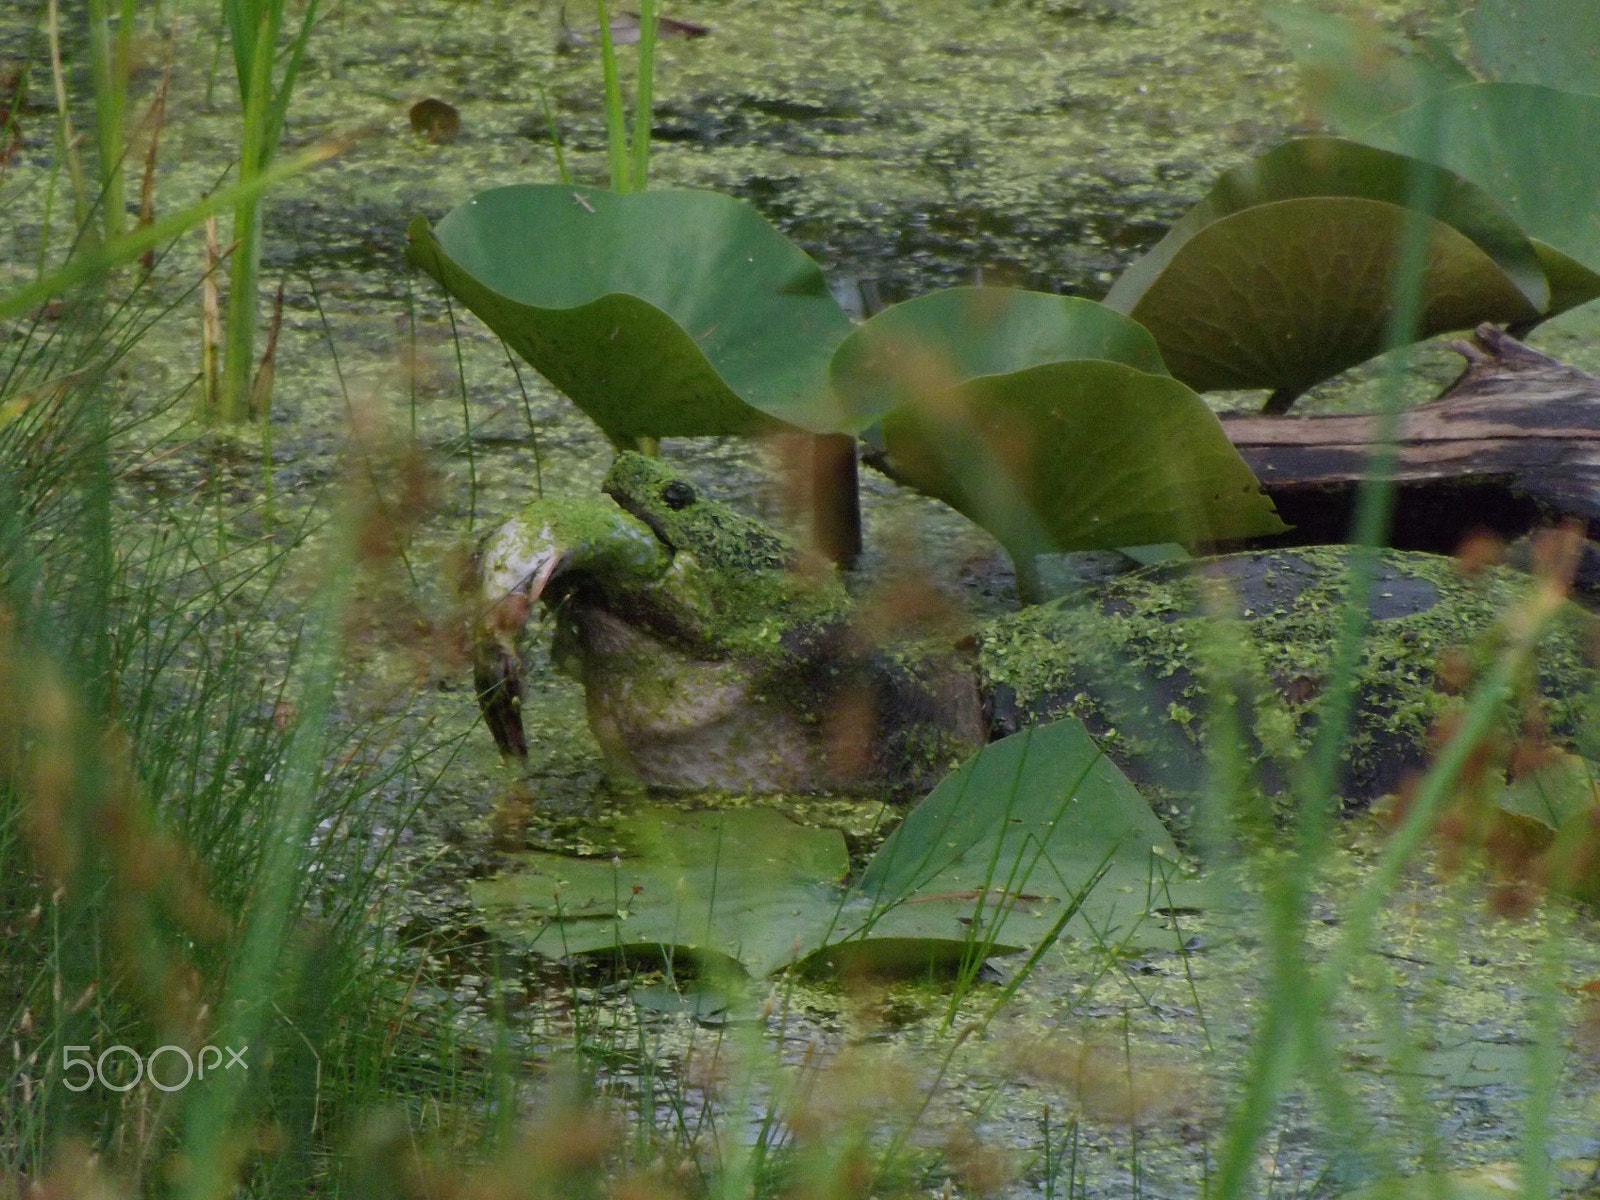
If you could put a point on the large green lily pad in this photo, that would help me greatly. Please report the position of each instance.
(1330, 167)
(1037, 835)
(744, 888)
(1286, 294)
(1530, 147)
(660, 313)
(1354, 72)
(989, 863)
(1080, 456)
(1283, 274)
(1550, 42)
(911, 353)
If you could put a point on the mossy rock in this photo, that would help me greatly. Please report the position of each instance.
(1139, 661)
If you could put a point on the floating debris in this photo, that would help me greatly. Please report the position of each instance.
(435, 120)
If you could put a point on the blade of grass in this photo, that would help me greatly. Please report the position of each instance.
(1289, 1012)
(109, 60)
(244, 266)
(242, 1015)
(66, 140)
(86, 266)
(644, 93)
(254, 27)
(555, 136)
(616, 128)
(466, 419)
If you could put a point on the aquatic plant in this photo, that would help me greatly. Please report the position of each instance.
(720, 326)
(998, 859)
(264, 92)
(109, 56)
(1279, 278)
(1522, 135)
(629, 155)
(726, 1111)
(1050, 421)
(675, 313)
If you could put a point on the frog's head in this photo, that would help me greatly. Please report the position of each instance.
(719, 537)
(687, 622)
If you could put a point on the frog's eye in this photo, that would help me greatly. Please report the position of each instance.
(678, 494)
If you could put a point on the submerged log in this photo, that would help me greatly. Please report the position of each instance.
(1510, 446)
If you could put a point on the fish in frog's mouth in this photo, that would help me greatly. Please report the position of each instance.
(709, 658)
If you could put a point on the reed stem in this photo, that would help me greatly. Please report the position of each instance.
(616, 127)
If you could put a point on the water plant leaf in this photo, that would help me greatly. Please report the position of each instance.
(1286, 294)
(1486, 1181)
(660, 313)
(1551, 42)
(1553, 794)
(739, 889)
(924, 346)
(1339, 167)
(1086, 455)
(1354, 73)
(1571, 283)
(993, 859)
(1549, 815)
(988, 863)
(1530, 147)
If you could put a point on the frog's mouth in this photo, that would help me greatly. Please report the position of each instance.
(583, 554)
(665, 704)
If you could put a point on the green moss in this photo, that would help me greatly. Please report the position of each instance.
(1131, 659)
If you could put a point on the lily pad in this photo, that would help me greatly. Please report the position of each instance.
(1036, 834)
(1550, 815)
(744, 889)
(1571, 283)
(1006, 852)
(913, 351)
(1355, 73)
(1550, 42)
(660, 313)
(1557, 792)
(1286, 294)
(1530, 147)
(1486, 1181)
(1330, 167)
(1087, 455)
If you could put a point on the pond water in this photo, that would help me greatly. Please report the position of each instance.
(907, 144)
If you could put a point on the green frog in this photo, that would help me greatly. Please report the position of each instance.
(714, 656)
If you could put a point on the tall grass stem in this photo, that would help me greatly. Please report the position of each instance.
(95, 261)
(644, 93)
(616, 122)
(109, 61)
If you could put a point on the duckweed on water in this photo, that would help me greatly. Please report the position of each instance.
(910, 143)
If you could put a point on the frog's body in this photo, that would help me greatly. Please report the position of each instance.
(710, 660)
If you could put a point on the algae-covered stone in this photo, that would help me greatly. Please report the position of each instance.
(1141, 658)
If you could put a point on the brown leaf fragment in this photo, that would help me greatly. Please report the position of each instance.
(436, 120)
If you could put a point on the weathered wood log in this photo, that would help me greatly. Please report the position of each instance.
(1511, 445)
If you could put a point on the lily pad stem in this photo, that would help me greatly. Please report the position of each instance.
(836, 498)
(1281, 401)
